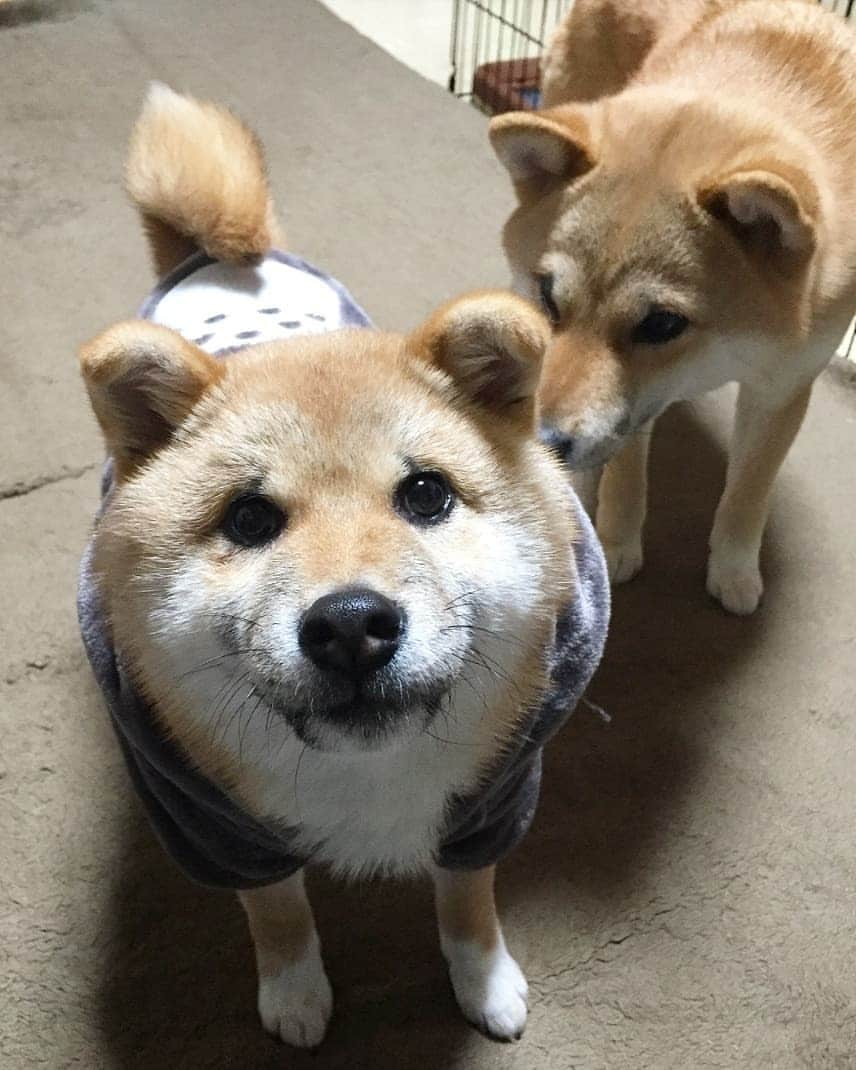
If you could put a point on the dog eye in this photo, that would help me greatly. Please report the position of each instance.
(425, 497)
(545, 291)
(659, 326)
(253, 520)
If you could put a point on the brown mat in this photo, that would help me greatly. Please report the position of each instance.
(688, 895)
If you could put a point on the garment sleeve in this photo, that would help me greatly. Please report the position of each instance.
(484, 827)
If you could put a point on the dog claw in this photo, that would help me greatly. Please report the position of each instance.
(491, 991)
(735, 584)
(623, 560)
(296, 1004)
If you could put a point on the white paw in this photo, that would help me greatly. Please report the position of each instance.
(734, 579)
(490, 988)
(296, 1003)
(623, 559)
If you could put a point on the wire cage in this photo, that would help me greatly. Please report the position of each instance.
(496, 47)
(495, 60)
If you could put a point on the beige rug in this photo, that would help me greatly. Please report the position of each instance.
(688, 896)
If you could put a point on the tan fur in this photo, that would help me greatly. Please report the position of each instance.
(281, 923)
(601, 45)
(198, 176)
(622, 503)
(464, 336)
(698, 157)
(135, 368)
(465, 906)
(294, 996)
(762, 439)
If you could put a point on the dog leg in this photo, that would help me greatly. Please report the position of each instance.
(762, 437)
(489, 985)
(295, 999)
(622, 503)
(585, 484)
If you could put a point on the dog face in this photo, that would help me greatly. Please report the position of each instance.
(335, 534)
(669, 259)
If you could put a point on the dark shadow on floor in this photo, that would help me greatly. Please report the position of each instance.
(179, 988)
(24, 12)
(611, 789)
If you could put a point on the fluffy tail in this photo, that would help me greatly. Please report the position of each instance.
(198, 177)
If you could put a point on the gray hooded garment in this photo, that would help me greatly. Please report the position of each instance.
(223, 308)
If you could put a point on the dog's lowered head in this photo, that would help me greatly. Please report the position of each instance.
(668, 242)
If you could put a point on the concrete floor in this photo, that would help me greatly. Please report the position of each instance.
(417, 32)
(688, 893)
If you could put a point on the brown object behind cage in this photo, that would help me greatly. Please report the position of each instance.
(508, 85)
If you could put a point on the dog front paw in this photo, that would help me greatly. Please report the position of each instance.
(734, 580)
(295, 1004)
(623, 560)
(490, 988)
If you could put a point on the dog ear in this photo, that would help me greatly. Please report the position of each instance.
(772, 211)
(540, 148)
(143, 380)
(491, 344)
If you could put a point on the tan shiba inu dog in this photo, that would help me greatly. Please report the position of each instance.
(338, 594)
(688, 215)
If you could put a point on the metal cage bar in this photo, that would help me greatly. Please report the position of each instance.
(495, 48)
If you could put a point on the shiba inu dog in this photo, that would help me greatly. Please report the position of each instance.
(338, 595)
(687, 214)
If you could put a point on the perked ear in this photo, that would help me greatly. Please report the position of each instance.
(143, 380)
(491, 344)
(773, 213)
(540, 148)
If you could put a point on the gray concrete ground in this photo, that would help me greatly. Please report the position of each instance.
(687, 897)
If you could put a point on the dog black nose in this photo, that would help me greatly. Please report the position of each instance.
(353, 631)
(560, 444)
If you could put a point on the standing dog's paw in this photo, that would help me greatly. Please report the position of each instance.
(623, 559)
(296, 1003)
(490, 988)
(734, 580)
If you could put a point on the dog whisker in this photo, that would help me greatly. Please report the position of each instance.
(214, 662)
(483, 630)
(296, 776)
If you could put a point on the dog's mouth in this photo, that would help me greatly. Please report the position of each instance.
(568, 451)
(581, 455)
(369, 713)
(597, 457)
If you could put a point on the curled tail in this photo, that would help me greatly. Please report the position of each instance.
(198, 177)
